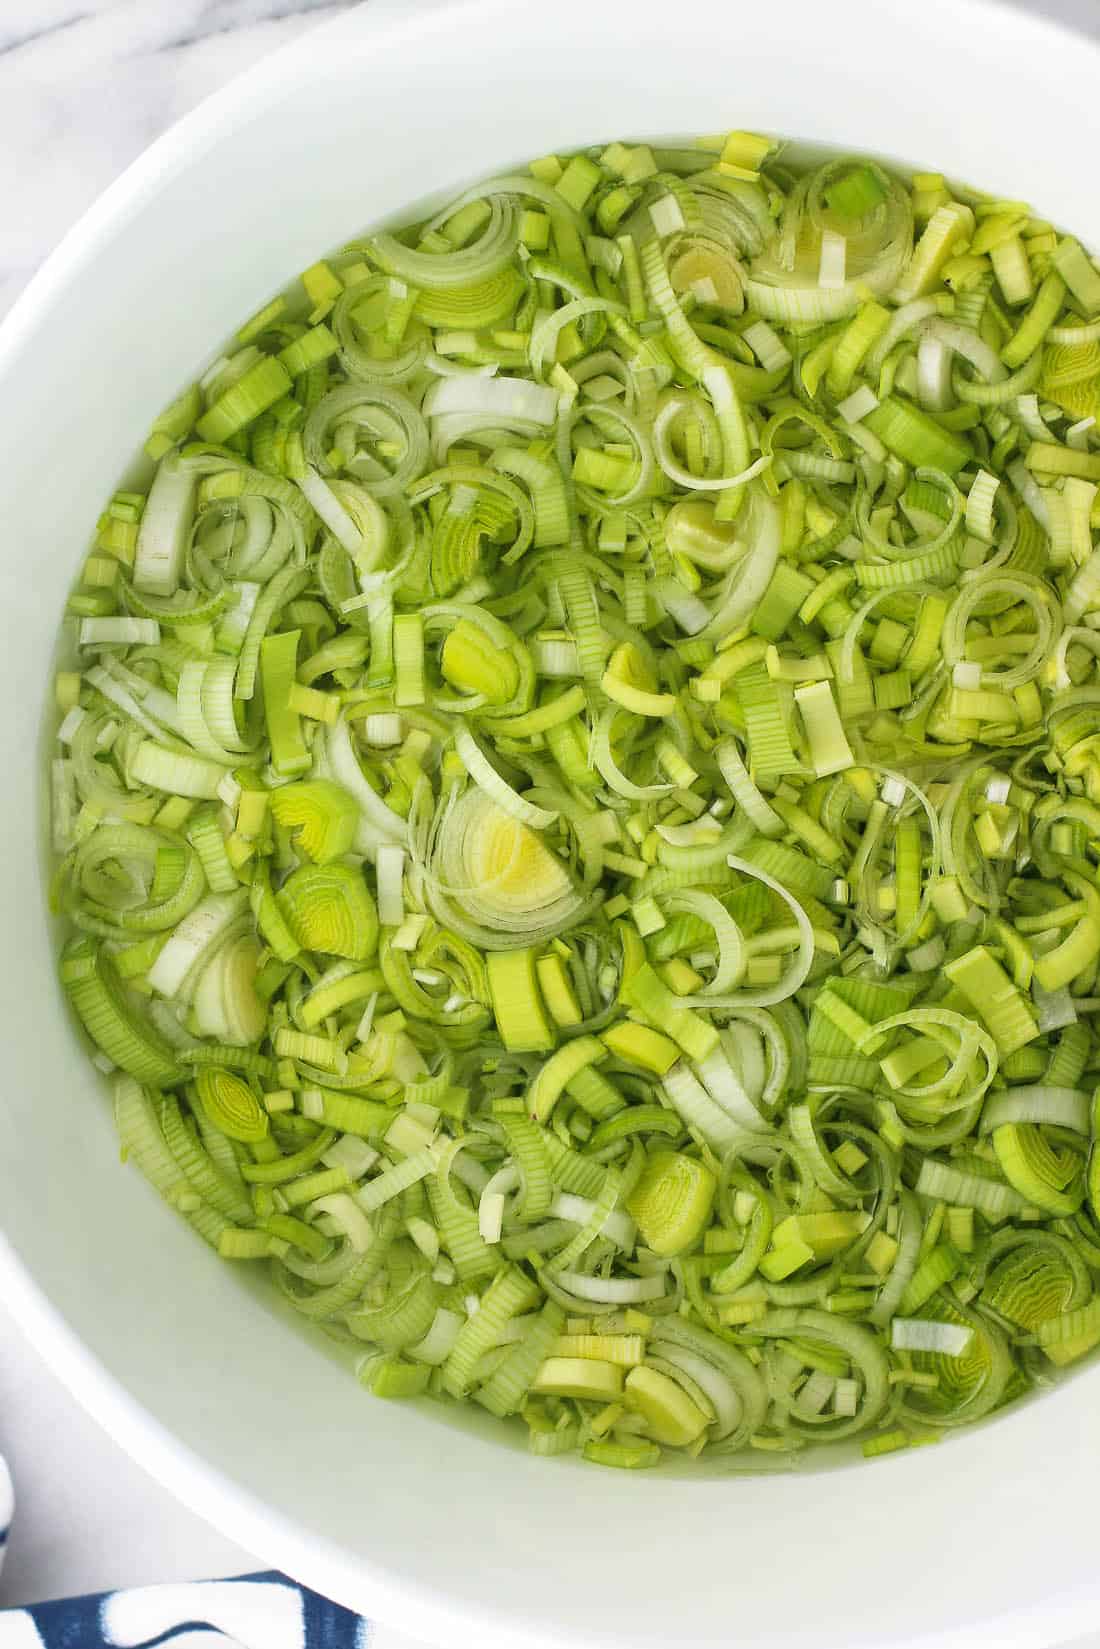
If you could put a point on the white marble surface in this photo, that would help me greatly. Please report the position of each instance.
(85, 85)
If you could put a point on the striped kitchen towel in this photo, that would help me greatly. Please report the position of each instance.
(265, 1611)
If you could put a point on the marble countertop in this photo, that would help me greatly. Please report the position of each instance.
(85, 85)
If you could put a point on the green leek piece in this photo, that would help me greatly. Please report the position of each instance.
(278, 663)
(915, 437)
(329, 908)
(949, 227)
(670, 1414)
(1079, 274)
(1049, 1175)
(1070, 1335)
(768, 730)
(623, 1456)
(470, 661)
(672, 1201)
(509, 1293)
(174, 422)
(309, 350)
(639, 1045)
(784, 1260)
(96, 993)
(652, 997)
(583, 1378)
(517, 1004)
(231, 1106)
(984, 983)
(855, 193)
(562, 1067)
(322, 816)
(629, 683)
(260, 387)
(782, 599)
(394, 1377)
(824, 1234)
(557, 991)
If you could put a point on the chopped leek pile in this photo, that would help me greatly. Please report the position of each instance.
(577, 802)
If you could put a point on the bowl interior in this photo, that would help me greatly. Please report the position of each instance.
(405, 1512)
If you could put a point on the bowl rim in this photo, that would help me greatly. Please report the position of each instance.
(202, 1486)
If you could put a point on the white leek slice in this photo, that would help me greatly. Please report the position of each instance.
(195, 938)
(165, 529)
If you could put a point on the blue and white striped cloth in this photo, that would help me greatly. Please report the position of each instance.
(264, 1611)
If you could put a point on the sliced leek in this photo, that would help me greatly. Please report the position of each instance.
(577, 802)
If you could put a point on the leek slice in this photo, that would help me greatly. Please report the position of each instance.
(321, 814)
(329, 908)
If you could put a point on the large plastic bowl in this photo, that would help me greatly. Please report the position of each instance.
(414, 1518)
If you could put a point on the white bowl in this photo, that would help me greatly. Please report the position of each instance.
(398, 1511)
